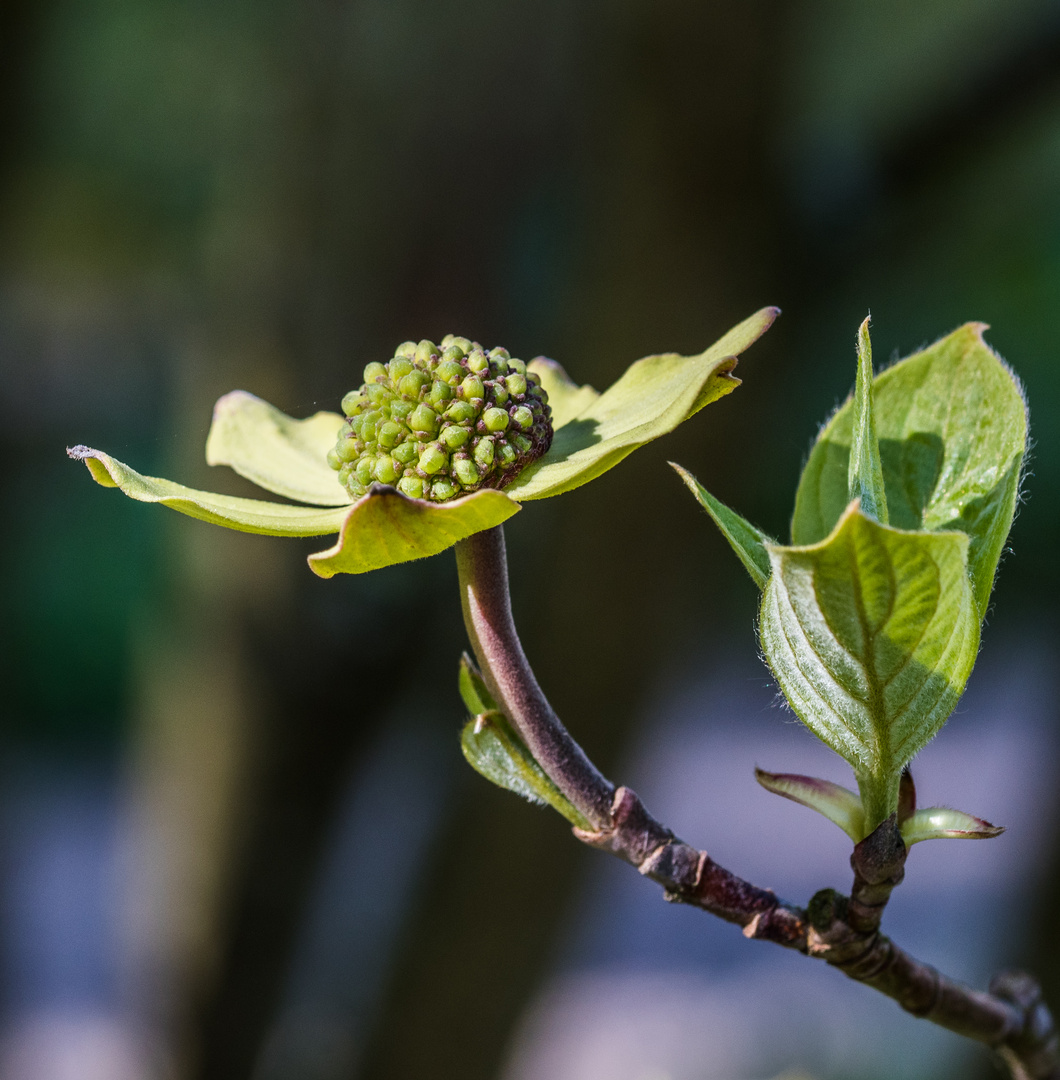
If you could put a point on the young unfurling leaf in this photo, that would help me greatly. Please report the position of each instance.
(872, 634)
(864, 472)
(952, 430)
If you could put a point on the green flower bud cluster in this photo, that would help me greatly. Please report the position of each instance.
(439, 421)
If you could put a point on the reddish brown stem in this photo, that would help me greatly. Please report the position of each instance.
(1011, 1018)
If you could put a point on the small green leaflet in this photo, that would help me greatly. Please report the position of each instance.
(942, 823)
(840, 805)
(748, 542)
(952, 431)
(473, 688)
(872, 634)
(494, 749)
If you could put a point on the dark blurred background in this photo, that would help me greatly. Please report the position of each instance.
(237, 839)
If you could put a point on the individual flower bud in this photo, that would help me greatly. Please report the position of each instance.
(450, 368)
(433, 460)
(438, 421)
(472, 387)
(399, 367)
(478, 362)
(484, 450)
(388, 434)
(411, 385)
(406, 453)
(364, 469)
(346, 449)
(443, 488)
(454, 436)
(466, 471)
(439, 394)
(424, 419)
(386, 469)
(495, 419)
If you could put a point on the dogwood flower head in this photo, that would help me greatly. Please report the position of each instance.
(442, 421)
(548, 435)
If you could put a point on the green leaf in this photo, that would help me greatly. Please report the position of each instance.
(385, 527)
(952, 432)
(872, 634)
(941, 823)
(473, 688)
(494, 749)
(840, 805)
(748, 542)
(280, 454)
(652, 398)
(245, 515)
(865, 472)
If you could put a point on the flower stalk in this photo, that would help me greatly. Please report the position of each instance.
(483, 568)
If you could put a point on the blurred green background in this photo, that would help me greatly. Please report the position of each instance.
(232, 800)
